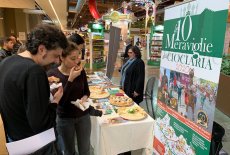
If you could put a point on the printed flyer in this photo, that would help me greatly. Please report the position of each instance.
(193, 43)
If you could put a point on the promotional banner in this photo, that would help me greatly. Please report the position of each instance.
(114, 38)
(193, 43)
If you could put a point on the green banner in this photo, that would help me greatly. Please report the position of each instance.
(202, 33)
(193, 43)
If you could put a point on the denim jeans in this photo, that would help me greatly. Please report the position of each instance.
(67, 128)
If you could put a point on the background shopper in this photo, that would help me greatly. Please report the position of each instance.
(16, 43)
(7, 47)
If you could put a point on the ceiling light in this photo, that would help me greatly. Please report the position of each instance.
(136, 5)
(51, 4)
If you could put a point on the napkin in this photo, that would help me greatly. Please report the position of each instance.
(83, 106)
(52, 87)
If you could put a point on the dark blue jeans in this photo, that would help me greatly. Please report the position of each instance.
(67, 128)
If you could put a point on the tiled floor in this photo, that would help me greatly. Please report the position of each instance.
(220, 118)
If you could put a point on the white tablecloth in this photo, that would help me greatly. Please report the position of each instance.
(112, 139)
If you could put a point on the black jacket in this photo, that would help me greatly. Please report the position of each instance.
(135, 79)
(4, 53)
(24, 98)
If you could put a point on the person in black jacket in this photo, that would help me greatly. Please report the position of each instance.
(72, 120)
(7, 47)
(133, 75)
(24, 88)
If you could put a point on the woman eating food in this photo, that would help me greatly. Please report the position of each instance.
(71, 120)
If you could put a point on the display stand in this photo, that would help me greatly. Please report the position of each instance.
(155, 46)
(96, 47)
(114, 38)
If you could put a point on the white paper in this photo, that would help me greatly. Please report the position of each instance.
(82, 106)
(54, 86)
(31, 144)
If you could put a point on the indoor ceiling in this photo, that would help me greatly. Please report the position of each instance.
(70, 15)
(75, 20)
(29, 4)
(57, 11)
(103, 6)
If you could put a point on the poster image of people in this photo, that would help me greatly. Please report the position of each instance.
(191, 97)
(138, 41)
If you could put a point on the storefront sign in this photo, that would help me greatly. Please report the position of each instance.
(193, 44)
(115, 16)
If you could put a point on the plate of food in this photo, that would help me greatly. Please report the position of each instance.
(98, 92)
(133, 113)
(97, 88)
(120, 101)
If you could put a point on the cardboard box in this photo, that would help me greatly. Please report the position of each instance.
(223, 97)
(3, 150)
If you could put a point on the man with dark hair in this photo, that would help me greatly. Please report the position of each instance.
(16, 42)
(24, 88)
(7, 47)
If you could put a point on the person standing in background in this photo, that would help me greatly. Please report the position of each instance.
(16, 43)
(24, 88)
(78, 40)
(7, 47)
(133, 75)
